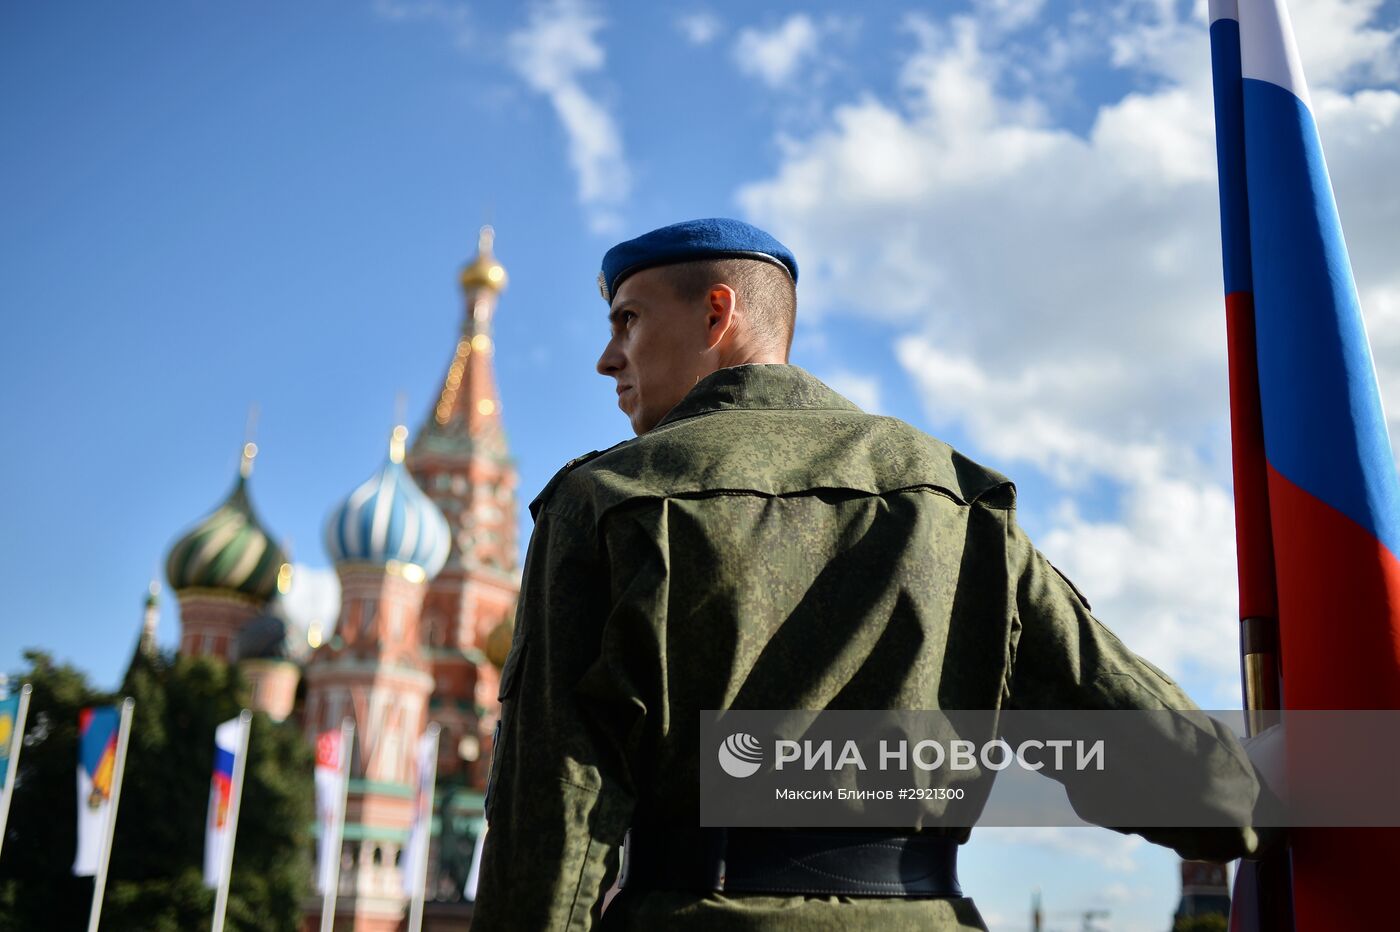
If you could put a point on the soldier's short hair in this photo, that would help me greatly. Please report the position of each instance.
(766, 292)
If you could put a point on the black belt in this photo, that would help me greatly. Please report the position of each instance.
(793, 861)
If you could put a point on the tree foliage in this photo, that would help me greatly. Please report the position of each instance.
(155, 881)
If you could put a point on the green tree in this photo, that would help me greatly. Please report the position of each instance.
(155, 880)
(1206, 923)
(37, 887)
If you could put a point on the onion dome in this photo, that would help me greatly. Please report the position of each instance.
(271, 636)
(498, 642)
(229, 550)
(484, 271)
(388, 519)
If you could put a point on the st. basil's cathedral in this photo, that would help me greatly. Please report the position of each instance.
(426, 553)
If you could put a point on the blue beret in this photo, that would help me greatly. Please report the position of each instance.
(714, 238)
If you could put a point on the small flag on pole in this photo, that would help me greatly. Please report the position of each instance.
(13, 710)
(225, 792)
(219, 827)
(415, 863)
(9, 714)
(417, 850)
(333, 750)
(329, 792)
(103, 736)
(97, 761)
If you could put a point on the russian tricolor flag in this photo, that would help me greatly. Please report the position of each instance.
(1317, 497)
(219, 829)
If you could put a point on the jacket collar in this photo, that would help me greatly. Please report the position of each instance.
(757, 386)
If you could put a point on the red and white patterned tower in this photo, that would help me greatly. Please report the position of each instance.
(388, 540)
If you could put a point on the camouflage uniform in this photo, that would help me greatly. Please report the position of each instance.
(766, 546)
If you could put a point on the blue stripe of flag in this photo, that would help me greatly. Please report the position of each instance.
(223, 761)
(1324, 427)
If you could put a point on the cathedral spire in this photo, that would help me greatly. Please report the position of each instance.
(150, 620)
(466, 417)
(250, 449)
(461, 460)
(484, 273)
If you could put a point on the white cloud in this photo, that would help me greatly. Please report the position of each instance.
(775, 56)
(551, 53)
(453, 16)
(1106, 849)
(1008, 14)
(1162, 574)
(1119, 892)
(864, 390)
(699, 28)
(1339, 46)
(1059, 291)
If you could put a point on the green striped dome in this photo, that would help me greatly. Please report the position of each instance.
(229, 550)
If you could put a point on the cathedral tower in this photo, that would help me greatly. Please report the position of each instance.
(388, 541)
(460, 458)
(224, 571)
(1205, 891)
(270, 651)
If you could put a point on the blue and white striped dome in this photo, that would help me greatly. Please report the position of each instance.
(388, 518)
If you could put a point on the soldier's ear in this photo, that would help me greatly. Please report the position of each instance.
(719, 313)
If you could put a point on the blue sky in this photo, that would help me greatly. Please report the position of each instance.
(1004, 211)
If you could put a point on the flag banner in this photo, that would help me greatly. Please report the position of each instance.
(9, 712)
(416, 854)
(97, 757)
(328, 795)
(1333, 491)
(217, 833)
(1328, 497)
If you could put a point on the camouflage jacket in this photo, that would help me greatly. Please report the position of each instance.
(766, 546)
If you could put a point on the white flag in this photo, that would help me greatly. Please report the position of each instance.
(218, 834)
(416, 854)
(329, 792)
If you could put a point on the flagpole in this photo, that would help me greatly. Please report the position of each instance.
(425, 814)
(1263, 888)
(119, 768)
(347, 737)
(245, 719)
(16, 745)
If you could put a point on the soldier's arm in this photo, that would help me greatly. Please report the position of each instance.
(558, 800)
(1064, 658)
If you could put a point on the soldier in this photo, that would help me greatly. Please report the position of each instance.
(761, 543)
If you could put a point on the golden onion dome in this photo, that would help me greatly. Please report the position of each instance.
(498, 642)
(484, 271)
